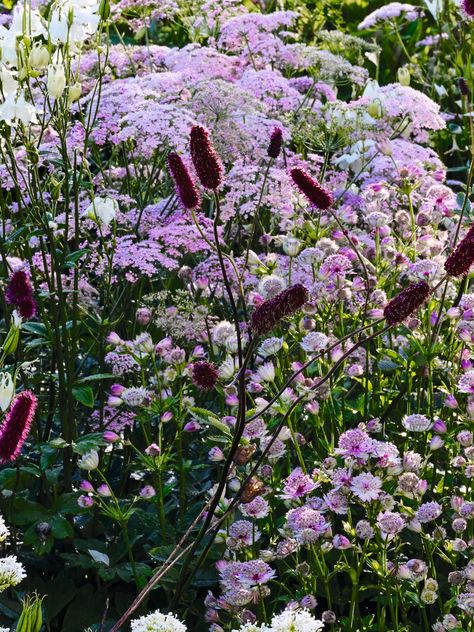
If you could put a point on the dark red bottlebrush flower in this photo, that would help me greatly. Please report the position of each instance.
(268, 314)
(185, 187)
(205, 159)
(316, 194)
(204, 375)
(460, 260)
(468, 6)
(16, 425)
(463, 87)
(19, 293)
(276, 139)
(406, 302)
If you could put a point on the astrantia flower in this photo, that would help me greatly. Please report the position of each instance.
(466, 383)
(89, 461)
(204, 375)
(316, 194)
(244, 532)
(19, 293)
(11, 572)
(185, 186)
(16, 425)
(416, 423)
(205, 159)
(314, 342)
(356, 443)
(408, 301)
(390, 522)
(135, 396)
(158, 622)
(257, 508)
(364, 530)
(254, 573)
(297, 485)
(428, 512)
(307, 525)
(366, 486)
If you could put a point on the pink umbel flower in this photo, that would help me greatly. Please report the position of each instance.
(461, 259)
(405, 303)
(205, 159)
(19, 293)
(16, 426)
(316, 194)
(185, 187)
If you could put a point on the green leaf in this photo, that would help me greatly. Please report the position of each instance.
(61, 528)
(84, 395)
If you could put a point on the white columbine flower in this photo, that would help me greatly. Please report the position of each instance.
(7, 390)
(11, 572)
(90, 461)
(15, 107)
(102, 210)
(56, 80)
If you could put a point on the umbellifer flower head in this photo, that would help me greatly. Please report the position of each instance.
(276, 139)
(461, 259)
(16, 425)
(204, 375)
(406, 302)
(185, 186)
(269, 313)
(20, 294)
(316, 194)
(205, 159)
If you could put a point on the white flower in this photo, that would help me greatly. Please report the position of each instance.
(314, 342)
(266, 372)
(56, 80)
(11, 572)
(295, 621)
(4, 531)
(270, 347)
(102, 210)
(135, 396)
(39, 56)
(15, 107)
(158, 622)
(7, 390)
(9, 83)
(90, 461)
(73, 21)
(416, 423)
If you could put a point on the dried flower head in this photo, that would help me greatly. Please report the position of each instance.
(185, 186)
(16, 425)
(204, 374)
(461, 259)
(269, 313)
(205, 159)
(316, 194)
(406, 302)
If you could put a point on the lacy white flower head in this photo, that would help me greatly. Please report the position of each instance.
(11, 572)
(4, 531)
(158, 622)
(102, 210)
(416, 423)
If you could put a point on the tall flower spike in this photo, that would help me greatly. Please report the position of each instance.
(461, 259)
(268, 314)
(19, 293)
(316, 194)
(276, 139)
(16, 426)
(406, 302)
(185, 186)
(204, 375)
(205, 159)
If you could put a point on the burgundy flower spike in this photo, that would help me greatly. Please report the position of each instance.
(405, 303)
(316, 194)
(19, 293)
(205, 159)
(185, 187)
(461, 259)
(16, 426)
(268, 314)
